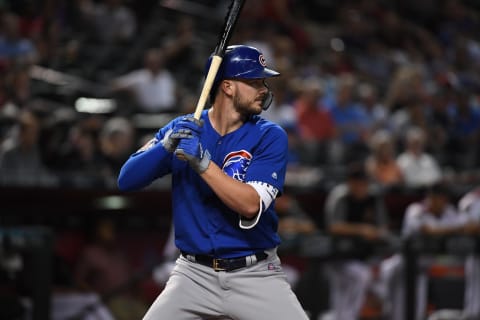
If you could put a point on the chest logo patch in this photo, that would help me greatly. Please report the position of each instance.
(236, 164)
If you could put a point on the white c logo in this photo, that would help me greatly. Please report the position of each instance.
(262, 61)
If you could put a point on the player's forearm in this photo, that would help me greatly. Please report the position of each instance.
(363, 230)
(143, 168)
(238, 196)
(345, 229)
(441, 231)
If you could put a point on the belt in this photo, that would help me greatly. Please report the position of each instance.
(228, 264)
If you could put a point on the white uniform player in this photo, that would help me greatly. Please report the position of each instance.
(470, 204)
(433, 215)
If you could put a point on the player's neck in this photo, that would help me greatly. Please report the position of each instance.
(224, 121)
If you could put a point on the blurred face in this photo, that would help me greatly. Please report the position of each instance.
(248, 95)
(358, 188)
(385, 151)
(344, 95)
(29, 129)
(437, 203)
(105, 231)
(415, 146)
(154, 60)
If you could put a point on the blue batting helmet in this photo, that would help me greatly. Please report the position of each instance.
(241, 62)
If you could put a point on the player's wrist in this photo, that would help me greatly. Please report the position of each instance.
(204, 162)
(168, 142)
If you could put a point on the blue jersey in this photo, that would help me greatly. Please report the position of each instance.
(256, 152)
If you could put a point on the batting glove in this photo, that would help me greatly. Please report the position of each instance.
(190, 147)
(182, 129)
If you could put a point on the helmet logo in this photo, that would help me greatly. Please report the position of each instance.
(262, 60)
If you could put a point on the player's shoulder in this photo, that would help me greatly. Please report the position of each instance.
(178, 118)
(415, 210)
(265, 126)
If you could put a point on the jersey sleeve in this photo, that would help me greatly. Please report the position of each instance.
(147, 164)
(269, 160)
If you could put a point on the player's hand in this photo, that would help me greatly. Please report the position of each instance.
(369, 232)
(182, 129)
(471, 228)
(190, 148)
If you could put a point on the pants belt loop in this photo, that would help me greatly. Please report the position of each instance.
(250, 260)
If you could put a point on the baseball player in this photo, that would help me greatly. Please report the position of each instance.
(434, 215)
(353, 209)
(470, 204)
(227, 169)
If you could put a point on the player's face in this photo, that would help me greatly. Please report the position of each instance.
(249, 96)
(438, 203)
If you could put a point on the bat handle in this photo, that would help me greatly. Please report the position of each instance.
(207, 86)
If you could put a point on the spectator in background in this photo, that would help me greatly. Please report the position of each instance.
(281, 111)
(441, 110)
(435, 215)
(79, 162)
(21, 162)
(181, 55)
(19, 86)
(153, 87)
(104, 268)
(117, 142)
(68, 301)
(353, 209)
(419, 168)
(375, 63)
(381, 164)
(407, 84)
(413, 114)
(315, 123)
(464, 132)
(350, 120)
(13, 47)
(281, 14)
(378, 115)
(114, 22)
(469, 204)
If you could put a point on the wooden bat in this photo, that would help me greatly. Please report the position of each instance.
(230, 21)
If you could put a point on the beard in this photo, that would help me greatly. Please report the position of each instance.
(246, 107)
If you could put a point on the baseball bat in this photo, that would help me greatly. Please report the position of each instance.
(230, 21)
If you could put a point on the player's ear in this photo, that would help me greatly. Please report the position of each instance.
(227, 87)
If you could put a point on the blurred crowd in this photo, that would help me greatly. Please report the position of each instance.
(392, 84)
(388, 87)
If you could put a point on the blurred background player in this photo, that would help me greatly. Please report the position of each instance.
(470, 205)
(353, 209)
(435, 215)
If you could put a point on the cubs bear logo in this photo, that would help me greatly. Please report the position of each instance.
(236, 164)
(262, 60)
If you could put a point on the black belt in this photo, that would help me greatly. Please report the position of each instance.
(229, 264)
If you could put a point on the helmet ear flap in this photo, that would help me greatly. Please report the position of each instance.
(267, 100)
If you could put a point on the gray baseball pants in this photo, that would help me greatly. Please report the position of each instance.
(259, 292)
